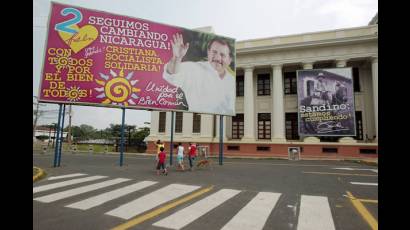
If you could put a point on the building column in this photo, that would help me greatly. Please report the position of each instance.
(375, 77)
(168, 126)
(249, 101)
(310, 139)
(278, 113)
(341, 63)
(308, 65)
(187, 124)
(154, 124)
(206, 126)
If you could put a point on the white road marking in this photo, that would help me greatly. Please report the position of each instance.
(360, 183)
(151, 200)
(65, 183)
(255, 214)
(80, 190)
(66, 176)
(351, 169)
(105, 197)
(185, 216)
(315, 214)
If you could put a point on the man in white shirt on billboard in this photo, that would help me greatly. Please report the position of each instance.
(209, 87)
(321, 89)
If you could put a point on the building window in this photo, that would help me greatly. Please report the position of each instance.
(329, 138)
(359, 125)
(356, 81)
(262, 148)
(178, 122)
(233, 147)
(329, 150)
(237, 126)
(240, 85)
(290, 83)
(196, 123)
(264, 126)
(368, 151)
(291, 123)
(161, 122)
(263, 84)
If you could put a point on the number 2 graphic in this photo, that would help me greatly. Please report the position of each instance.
(65, 26)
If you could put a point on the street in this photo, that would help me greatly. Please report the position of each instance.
(91, 191)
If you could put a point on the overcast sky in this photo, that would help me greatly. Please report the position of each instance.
(239, 19)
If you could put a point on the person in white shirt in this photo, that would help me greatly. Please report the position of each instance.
(180, 157)
(322, 90)
(209, 87)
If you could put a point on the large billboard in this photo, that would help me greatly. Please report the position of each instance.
(326, 102)
(101, 59)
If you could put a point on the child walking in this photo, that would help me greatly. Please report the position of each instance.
(192, 155)
(161, 162)
(180, 157)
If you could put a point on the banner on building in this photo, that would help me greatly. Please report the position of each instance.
(101, 59)
(326, 102)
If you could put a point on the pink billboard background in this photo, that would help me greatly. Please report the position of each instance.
(97, 58)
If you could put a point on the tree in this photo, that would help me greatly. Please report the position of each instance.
(115, 130)
(84, 132)
(141, 134)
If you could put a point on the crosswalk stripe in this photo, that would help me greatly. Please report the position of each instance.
(360, 183)
(255, 214)
(66, 176)
(65, 183)
(80, 190)
(151, 200)
(105, 197)
(315, 214)
(185, 216)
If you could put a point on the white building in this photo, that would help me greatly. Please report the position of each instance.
(266, 103)
(49, 132)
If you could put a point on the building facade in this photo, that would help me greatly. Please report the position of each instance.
(266, 121)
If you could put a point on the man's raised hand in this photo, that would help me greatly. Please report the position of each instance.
(178, 48)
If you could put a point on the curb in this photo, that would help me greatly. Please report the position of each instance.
(354, 160)
(40, 174)
(364, 162)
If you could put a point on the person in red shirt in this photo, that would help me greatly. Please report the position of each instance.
(192, 154)
(161, 161)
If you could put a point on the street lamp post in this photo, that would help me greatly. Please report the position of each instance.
(54, 135)
(38, 113)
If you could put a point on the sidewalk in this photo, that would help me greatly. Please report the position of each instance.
(366, 161)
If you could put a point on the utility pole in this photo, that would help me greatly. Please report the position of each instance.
(69, 126)
(36, 119)
(55, 130)
(49, 135)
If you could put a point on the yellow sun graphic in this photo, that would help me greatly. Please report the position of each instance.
(62, 62)
(117, 89)
(73, 93)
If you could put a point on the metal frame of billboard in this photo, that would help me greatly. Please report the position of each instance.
(354, 106)
(121, 106)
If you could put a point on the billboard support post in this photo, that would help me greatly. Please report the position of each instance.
(61, 137)
(172, 138)
(221, 139)
(122, 137)
(58, 133)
